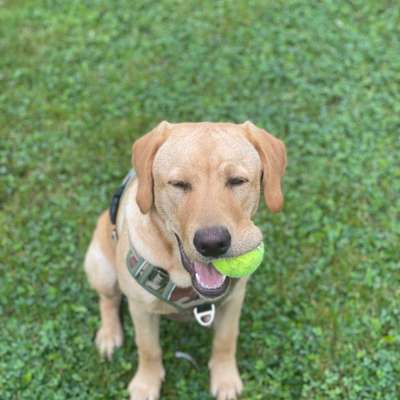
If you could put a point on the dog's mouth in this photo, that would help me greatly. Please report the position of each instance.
(207, 281)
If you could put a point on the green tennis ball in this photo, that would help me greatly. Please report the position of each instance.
(242, 265)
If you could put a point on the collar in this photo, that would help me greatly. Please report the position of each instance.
(157, 281)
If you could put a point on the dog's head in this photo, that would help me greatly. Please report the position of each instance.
(204, 181)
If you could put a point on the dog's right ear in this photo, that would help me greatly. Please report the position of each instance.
(143, 153)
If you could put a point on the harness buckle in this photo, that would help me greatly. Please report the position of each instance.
(204, 314)
(114, 234)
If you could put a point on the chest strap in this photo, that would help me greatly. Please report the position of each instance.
(157, 281)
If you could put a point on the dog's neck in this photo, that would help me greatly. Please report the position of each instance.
(152, 240)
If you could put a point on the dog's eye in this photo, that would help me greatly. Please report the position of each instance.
(236, 181)
(185, 186)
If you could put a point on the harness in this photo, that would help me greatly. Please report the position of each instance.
(186, 301)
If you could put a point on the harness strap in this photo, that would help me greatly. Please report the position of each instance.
(115, 201)
(157, 281)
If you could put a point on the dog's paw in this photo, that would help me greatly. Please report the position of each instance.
(225, 381)
(146, 384)
(108, 339)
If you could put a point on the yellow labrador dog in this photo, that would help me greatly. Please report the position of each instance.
(193, 199)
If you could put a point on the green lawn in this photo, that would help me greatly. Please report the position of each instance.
(80, 80)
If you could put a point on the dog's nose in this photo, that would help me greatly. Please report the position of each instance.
(213, 241)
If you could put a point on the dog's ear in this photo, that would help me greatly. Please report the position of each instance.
(272, 153)
(143, 153)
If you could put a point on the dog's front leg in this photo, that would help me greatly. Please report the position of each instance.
(225, 378)
(146, 383)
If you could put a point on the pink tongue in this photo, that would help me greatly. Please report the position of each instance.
(208, 276)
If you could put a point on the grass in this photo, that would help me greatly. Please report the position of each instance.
(80, 80)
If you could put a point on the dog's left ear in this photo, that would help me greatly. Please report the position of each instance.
(272, 153)
(143, 153)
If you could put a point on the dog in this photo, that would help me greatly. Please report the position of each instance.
(196, 190)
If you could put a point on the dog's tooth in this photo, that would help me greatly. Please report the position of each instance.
(199, 279)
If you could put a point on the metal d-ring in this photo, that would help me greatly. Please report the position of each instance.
(204, 314)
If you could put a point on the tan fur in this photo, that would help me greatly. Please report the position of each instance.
(273, 156)
(152, 211)
(143, 153)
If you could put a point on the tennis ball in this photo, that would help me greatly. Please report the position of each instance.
(242, 265)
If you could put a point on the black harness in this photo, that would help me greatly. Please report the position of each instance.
(115, 201)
